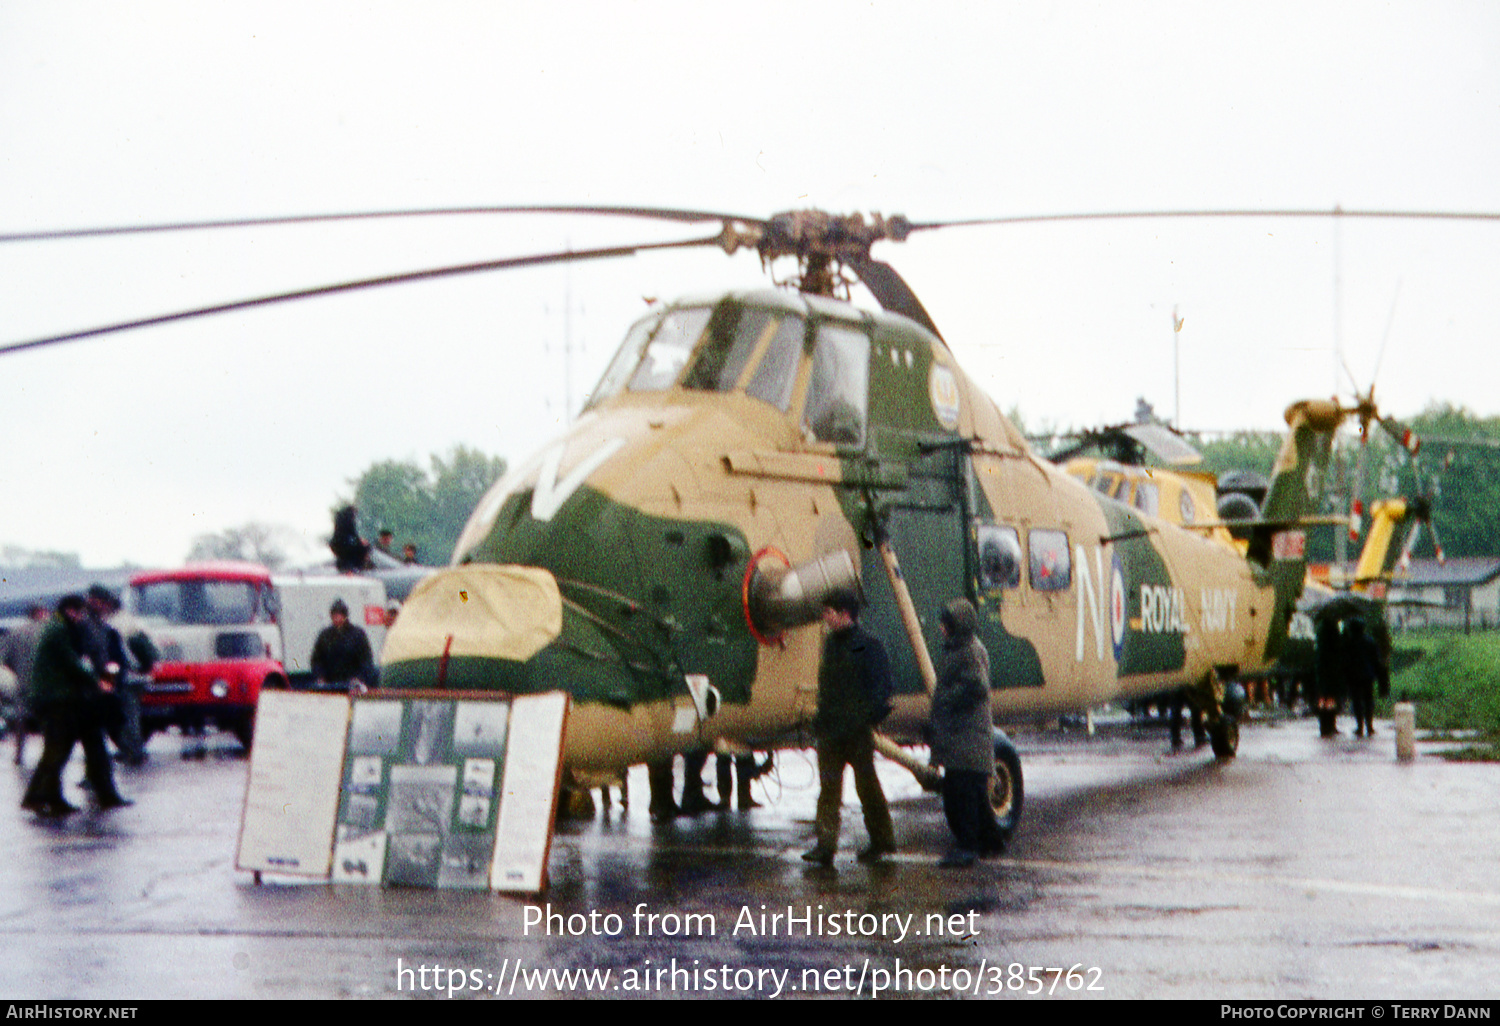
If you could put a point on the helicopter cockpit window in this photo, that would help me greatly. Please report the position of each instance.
(1147, 498)
(999, 558)
(669, 349)
(835, 410)
(733, 336)
(626, 358)
(777, 373)
(1111, 483)
(1051, 568)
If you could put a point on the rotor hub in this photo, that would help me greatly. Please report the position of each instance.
(820, 242)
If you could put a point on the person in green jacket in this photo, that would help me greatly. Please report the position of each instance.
(67, 698)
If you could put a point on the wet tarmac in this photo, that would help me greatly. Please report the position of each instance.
(1306, 868)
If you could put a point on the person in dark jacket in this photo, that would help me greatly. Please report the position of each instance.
(341, 657)
(351, 553)
(854, 690)
(67, 699)
(108, 651)
(1362, 668)
(963, 737)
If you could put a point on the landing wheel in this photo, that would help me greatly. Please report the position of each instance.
(1224, 735)
(1006, 786)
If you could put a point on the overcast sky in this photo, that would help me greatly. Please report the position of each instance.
(127, 447)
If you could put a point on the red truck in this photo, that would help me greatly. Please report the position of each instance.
(216, 632)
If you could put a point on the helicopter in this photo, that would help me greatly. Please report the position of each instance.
(746, 454)
(1174, 492)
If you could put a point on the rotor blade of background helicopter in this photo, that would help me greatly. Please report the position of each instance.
(366, 283)
(649, 213)
(1142, 215)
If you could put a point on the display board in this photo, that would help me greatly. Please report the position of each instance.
(528, 807)
(431, 789)
(292, 795)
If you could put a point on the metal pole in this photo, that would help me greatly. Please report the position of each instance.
(1176, 371)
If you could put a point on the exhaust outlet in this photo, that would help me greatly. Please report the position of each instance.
(781, 597)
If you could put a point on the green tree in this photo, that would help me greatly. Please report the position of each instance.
(426, 508)
(1459, 462)
(1243, 450)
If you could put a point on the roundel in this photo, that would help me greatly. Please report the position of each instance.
(1117, 606)
(942, 389)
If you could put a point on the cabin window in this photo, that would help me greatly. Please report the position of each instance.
(1051, 567)
(734, 333)
(777, 373)
(669, 349)
(1185, 506)
(999, 558)
(1147, 497)
(835, 409)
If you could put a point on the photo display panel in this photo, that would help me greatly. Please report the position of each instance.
(422, 802)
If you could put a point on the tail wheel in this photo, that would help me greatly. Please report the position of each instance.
(1006, 786)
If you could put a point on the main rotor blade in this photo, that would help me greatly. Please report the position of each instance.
(891, 291)
(365, 283)
(1145, 215)
(648, 213)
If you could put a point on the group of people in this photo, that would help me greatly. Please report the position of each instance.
(351, 553)
(732, 772)
(76, 674)
(79, 680)
(854, 696)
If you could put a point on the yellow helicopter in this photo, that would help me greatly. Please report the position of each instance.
(748, 453)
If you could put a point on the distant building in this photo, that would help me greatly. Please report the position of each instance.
(21, 586)
(1463, 593)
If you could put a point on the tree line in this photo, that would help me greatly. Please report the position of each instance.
(1458, 465)
(425, 506)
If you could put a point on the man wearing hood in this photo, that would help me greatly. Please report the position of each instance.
(963, 737)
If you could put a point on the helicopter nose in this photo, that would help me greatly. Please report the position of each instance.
(463, 626)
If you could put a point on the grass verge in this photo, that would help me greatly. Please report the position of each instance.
(1455, 686)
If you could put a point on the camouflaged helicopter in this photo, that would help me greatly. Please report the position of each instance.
(748, 453)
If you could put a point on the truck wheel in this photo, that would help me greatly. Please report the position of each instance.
(244, 731)
(1006, 786)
